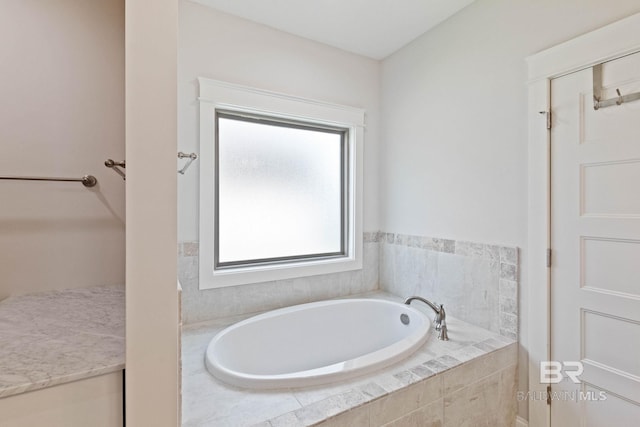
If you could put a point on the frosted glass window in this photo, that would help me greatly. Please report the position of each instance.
(280, 191)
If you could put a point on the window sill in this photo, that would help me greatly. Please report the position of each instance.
(211, 279)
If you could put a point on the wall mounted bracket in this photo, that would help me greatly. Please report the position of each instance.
(598, 102)
(115, 166)
(190, 156)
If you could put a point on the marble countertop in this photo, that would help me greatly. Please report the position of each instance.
(56, 337)
(235, 407)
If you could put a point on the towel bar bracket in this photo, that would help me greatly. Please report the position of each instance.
(598, 102)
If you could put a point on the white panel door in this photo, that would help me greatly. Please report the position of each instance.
(595, 236)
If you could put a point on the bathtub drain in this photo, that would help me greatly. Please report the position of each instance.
(404, 318)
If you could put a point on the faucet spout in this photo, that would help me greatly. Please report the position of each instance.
(440, 320)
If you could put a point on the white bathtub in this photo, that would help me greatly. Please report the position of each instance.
(315, 343)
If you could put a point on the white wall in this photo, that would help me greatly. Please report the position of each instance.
(451, 161)
(61, 114)
(219, 46)
(454, 111)
(152, 350)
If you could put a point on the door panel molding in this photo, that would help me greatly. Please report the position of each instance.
(607, 43)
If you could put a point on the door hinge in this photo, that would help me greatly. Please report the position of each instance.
(548, 395)
(549, 257)
(548, 116)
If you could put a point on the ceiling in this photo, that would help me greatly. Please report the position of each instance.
(373, 28)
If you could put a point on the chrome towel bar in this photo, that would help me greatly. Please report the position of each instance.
(190, 156)
(87, 180)
(115, 166)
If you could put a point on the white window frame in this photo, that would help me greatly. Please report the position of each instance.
(217, 95)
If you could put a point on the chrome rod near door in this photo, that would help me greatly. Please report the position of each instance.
(87, 180)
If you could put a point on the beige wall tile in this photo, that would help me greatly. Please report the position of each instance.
(358, 417)
(396, 405)
(475, 369)
(475, 405)
(430, 415)
(508, 404)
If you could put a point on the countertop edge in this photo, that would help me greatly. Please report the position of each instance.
(76, 376)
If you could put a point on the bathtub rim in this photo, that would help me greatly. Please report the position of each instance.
(325, 374)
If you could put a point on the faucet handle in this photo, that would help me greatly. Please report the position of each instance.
(442, 334)
(440, 319)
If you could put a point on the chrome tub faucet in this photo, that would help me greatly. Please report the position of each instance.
(440, 321)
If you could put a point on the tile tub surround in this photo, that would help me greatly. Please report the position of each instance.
(200, 305)
(469, 380)
(56, 337)
(476, 282)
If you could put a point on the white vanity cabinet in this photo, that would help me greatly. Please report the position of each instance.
(95, 402)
